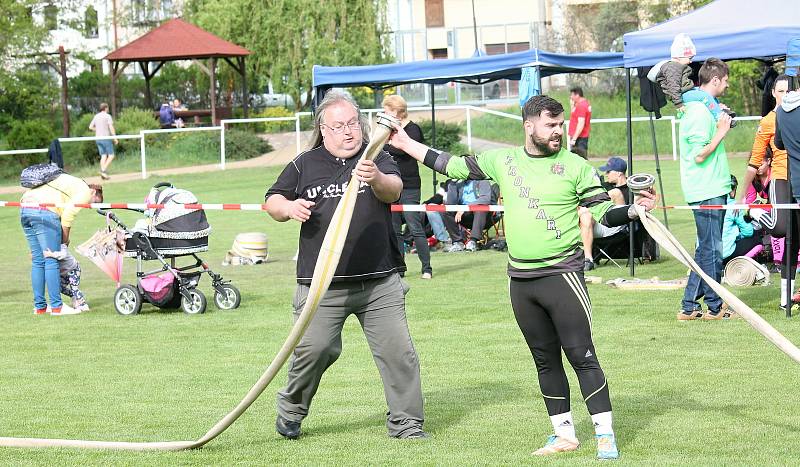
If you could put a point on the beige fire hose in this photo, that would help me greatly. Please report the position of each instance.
(327, 261)
(668, 242)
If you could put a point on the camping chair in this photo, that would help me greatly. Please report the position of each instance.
(617, 246)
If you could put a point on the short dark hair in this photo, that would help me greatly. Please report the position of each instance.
(712, 68)
(576, 90)
(786, 78)
(537, 104)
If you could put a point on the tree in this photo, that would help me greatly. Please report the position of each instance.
(288, 37)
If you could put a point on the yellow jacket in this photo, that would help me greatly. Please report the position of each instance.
(64, 189)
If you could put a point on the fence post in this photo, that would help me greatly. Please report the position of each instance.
(674, 140)
(141, 148)
(469, 130)
(297, 131)
(222, 144)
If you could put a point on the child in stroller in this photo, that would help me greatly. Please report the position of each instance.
(168, 233)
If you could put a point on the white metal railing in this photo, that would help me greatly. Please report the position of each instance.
(468, 109)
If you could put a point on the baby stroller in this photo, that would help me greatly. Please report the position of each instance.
(167, 234)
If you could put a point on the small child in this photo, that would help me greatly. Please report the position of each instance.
(674, 75)
(70, 272)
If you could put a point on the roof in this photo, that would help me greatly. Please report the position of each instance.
(726, 29)
(470, 70)
(176, 40)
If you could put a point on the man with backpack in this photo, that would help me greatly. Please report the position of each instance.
(49, 228)
(166, 116)
(103, 125)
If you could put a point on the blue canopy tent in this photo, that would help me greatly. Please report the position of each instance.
(475, 70)
(725, 29)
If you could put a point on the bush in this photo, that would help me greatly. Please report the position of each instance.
(31, 134)
(130, 122)
(448, 136)
(275, 127)
(241, 145)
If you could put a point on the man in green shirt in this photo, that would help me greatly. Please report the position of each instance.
(706, 180)
(543, 185)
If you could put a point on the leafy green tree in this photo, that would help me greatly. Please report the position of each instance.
(288, 37)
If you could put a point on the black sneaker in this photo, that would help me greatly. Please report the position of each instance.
(588, 265)
(287, 428)
(417, 433)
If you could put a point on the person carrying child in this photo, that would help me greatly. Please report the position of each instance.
(70, 272)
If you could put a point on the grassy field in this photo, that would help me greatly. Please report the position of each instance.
(698, 393)
(605, 138)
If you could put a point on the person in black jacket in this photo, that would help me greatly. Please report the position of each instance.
(396, 106)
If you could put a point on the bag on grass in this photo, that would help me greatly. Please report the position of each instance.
(39, 174)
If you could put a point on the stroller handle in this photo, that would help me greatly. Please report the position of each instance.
(112, 216)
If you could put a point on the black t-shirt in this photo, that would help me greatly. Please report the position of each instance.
(625, 190)
(409, 167)
(370, 250)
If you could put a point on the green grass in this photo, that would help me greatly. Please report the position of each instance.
(609, 138)
(684, 393)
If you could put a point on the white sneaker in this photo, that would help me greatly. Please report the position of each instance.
(65, 310)
(455, 247)
(471, 246)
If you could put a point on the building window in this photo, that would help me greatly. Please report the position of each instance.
(438, 54)
(51, 17)
(494, 49)
(90, 23)
(434, 13)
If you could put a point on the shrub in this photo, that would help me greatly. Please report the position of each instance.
(448, 136)
(241, 145)
(30, 134)
(276, 127)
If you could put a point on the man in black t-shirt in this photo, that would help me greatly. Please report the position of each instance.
(366, 282)
(615, 170)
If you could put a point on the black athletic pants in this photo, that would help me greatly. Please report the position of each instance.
(554, 313)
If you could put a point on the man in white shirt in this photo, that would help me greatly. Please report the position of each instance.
(103, 125)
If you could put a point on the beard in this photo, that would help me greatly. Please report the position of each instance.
(543, 145)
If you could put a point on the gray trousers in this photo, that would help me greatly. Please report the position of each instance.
(379, 305)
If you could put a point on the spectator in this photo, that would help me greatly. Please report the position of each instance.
(739, 237)
(166, 116)
(579, 122)
(396, 106)
(435, 218)
(705, 179)
(674, 75)
(177, 107)
(467, 192)
(779, 191)
(103, 125)
(787, 137)
(366, 282)
(615, 170)
(70, 271)
(49, 228)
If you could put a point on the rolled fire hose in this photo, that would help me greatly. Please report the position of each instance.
(668, 242)
(327, 261)
(744, 272)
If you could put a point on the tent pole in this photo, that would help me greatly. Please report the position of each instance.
(630, 161)
(433, 131)
(658, 169)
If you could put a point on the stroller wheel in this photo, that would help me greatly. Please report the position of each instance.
(196, 305)
(230, 300)
(127, 300)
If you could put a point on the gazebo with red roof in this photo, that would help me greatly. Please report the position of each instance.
(178, 40)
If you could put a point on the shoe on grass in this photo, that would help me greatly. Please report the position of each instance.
(588, 265)
(607, 447)
(556, 444)
(691, 315)
(456, 247)
(471, 246)
(287, 428)
(427, 275)
(63, 310)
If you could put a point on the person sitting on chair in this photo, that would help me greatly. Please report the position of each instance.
(615, 170)
(467, 192)
(739, 236)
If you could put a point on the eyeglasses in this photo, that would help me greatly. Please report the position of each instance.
(338, 129)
